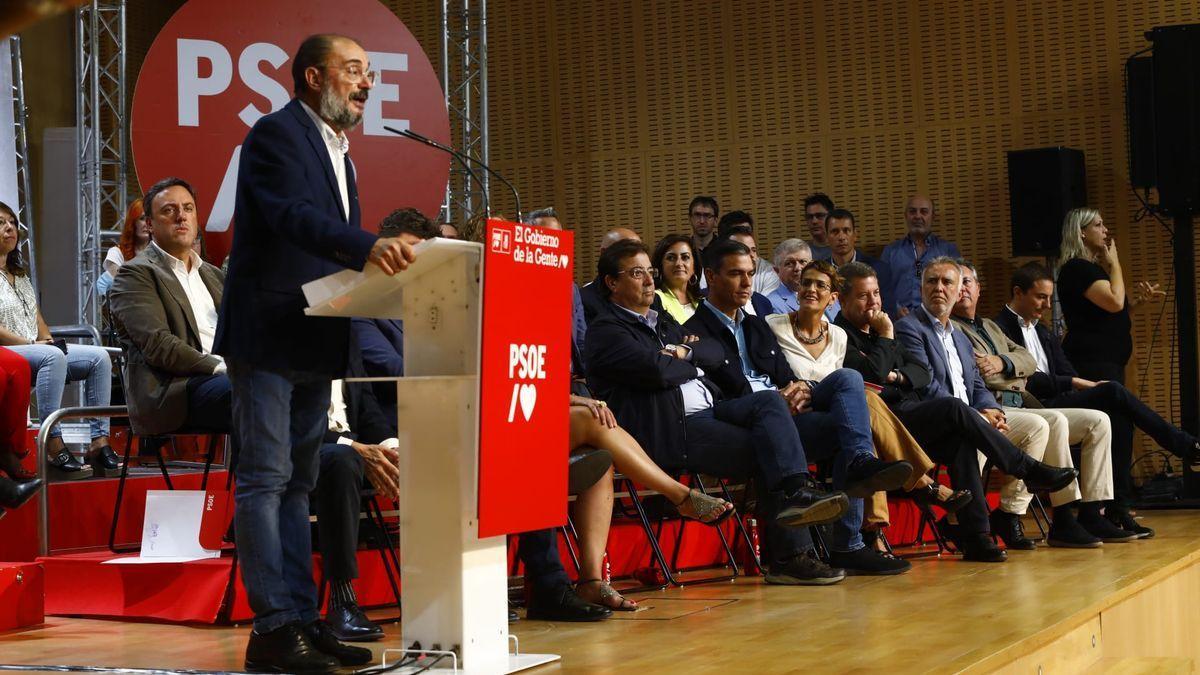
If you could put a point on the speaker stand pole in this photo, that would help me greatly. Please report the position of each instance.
(1185, 320)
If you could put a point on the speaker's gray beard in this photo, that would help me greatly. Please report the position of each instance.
(337, 110)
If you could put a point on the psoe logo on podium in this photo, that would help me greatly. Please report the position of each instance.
(525, 362)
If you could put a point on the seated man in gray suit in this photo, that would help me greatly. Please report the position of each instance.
(164, 306)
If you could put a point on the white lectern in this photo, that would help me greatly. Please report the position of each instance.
(454, 583)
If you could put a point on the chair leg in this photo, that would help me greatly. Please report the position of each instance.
(208, 460)
(733, 566)
(1040, 517)
(390, 567)
(741, 525)
(112, 530)
(567, 531)
(655, 549)
(162, 465)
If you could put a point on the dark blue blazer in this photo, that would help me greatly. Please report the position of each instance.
(765, 353)
(381, 343)
(916, 333)
(289, 229)
(1042, 385)
(627, 369)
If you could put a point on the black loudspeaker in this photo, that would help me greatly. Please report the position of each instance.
(1177, 117)
(1043, 185)
(1139, 114)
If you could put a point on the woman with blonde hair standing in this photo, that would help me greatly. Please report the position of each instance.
(1095, 299)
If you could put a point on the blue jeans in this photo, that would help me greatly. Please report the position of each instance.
(52, 370)
(279, 420)
(752, 436)
(839, 427)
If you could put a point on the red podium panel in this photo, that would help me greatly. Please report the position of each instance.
(525, 367)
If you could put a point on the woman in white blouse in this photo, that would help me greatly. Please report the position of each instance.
(814, 348)
(23, 330)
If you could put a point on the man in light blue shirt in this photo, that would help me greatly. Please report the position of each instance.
(906, 257)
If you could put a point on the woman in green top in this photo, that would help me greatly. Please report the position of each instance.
(679, 287)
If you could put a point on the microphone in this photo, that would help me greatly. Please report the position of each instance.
(463, 159)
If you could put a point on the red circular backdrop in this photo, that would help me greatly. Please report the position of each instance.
(219, 65)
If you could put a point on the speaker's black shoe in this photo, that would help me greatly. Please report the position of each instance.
(322, 637)
(349, 624)
(561, 604)
(1045, 478)
(1008, 527)
(286, 650)
(869, 475)
(14, 494)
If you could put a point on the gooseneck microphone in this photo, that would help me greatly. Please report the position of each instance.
(464, 160)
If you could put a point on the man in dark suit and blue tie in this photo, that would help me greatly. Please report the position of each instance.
(297, 218)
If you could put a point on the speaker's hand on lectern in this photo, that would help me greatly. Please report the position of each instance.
(382, 468)
(391, 255)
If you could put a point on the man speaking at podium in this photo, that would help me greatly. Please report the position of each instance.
(297, 219)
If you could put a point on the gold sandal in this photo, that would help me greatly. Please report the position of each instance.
(708, 509)
(608, 595)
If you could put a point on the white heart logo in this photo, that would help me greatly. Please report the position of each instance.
(528, 399)
(565, 260)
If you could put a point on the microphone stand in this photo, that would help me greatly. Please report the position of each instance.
(463, 159)
(487, 207)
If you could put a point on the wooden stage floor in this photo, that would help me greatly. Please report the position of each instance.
(1041, 608)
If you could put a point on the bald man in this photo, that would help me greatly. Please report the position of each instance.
(905, 257)
(594, 302)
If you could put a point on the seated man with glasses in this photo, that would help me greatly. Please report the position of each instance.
(654, 377)
(816, 209)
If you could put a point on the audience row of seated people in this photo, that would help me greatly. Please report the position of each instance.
(683, 356)
(747, 368)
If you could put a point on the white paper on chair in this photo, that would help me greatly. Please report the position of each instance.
(171, 530)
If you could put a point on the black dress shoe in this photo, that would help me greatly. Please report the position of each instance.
(808, 506)
(1122, 518)
(866, 561)
(981, 548)
(286, 650)
(104, 462)
(349, 624)
(1008, 527)
(321, 636)
(561, 604)
(1045, 478)
(1069, 533)
(869, 475)
(14, 494)
(67, 467)
(585, 466)
(974, 547)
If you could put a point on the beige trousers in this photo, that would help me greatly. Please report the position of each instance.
(1061, 428)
